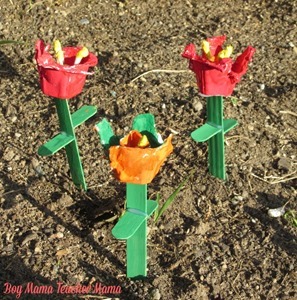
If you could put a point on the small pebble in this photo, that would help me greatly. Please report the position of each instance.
(284, 164)
(155, 295)
(8, 154)
(37, 250)
(197, 105)
(84, 21)
(59, 235)
(65, 201)
(28, 238)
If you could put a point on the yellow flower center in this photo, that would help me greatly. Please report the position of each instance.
(84, 52)
(225, 53)
(143, 142)
(59, 54)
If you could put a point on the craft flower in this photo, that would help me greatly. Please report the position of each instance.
(216, 73)
(63, 74)
(137, 157)
(134, 161)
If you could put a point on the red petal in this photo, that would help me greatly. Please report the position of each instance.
(190, 52)
(240, 66)
(215, 44)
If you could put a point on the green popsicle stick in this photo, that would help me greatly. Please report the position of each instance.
(145, 124)
(204, 133)
(83, 114)
(137, 244)
(213, 132)
(132, 226)
(67, 139)
(106, 134)
(131, 221)
(55, 144)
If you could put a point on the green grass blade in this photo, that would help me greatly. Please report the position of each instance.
(156, 212)
(172, 197)
(4, 42)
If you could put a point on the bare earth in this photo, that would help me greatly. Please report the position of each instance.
(216, 241)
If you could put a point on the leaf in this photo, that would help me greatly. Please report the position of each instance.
(291, 217)
(4, 42)
(157, 211)
(172, 197)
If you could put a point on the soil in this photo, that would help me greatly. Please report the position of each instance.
(216, 241)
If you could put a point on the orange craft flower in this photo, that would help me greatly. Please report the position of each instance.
(134, 161)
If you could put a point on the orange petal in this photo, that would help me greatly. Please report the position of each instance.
(136, 165)
(132, 139)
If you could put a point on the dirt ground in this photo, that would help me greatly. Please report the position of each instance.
(217, 240)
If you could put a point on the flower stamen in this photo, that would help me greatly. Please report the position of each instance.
(84, 52)
(206, 49)
(225, 53)
(59, 54)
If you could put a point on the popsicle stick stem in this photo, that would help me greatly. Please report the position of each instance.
(137, 244)
(216, 150)
(67, 139)
(72, 153)
(132, 227)
(214, 131)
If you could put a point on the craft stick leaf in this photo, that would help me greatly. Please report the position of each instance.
(106, 134)
(145, 124)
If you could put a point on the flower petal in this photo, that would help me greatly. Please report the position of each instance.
(190, 52)
(216, 43)
(136, 165)
(240, 65)
(132, 139)
(62, 81)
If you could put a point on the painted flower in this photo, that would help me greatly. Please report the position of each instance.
(137, 157)
(216, 73)
(63, 75)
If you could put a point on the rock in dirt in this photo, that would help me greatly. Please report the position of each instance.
(197, 105)
(65, 201)
(8, 154)
(284, 164)
(155, 295)
(36, 166)
(29, 237)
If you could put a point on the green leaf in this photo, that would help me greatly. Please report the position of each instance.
(145, 124)
(4, 42)
(106, 134)
(291, 217)
(172, 197)
(157, 210)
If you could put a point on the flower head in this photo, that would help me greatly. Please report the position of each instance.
(139, 155)
(59, 76)
(216, 73)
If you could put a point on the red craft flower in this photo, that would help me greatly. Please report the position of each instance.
(66, 80)
(134, 161)
(216, 73)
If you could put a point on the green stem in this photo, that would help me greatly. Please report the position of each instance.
(66, 126)
(137, 243)
(216, 150)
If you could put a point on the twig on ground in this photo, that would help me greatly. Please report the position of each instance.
(288, 112)
(13, 191)
(159, 71)
(280, 179)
